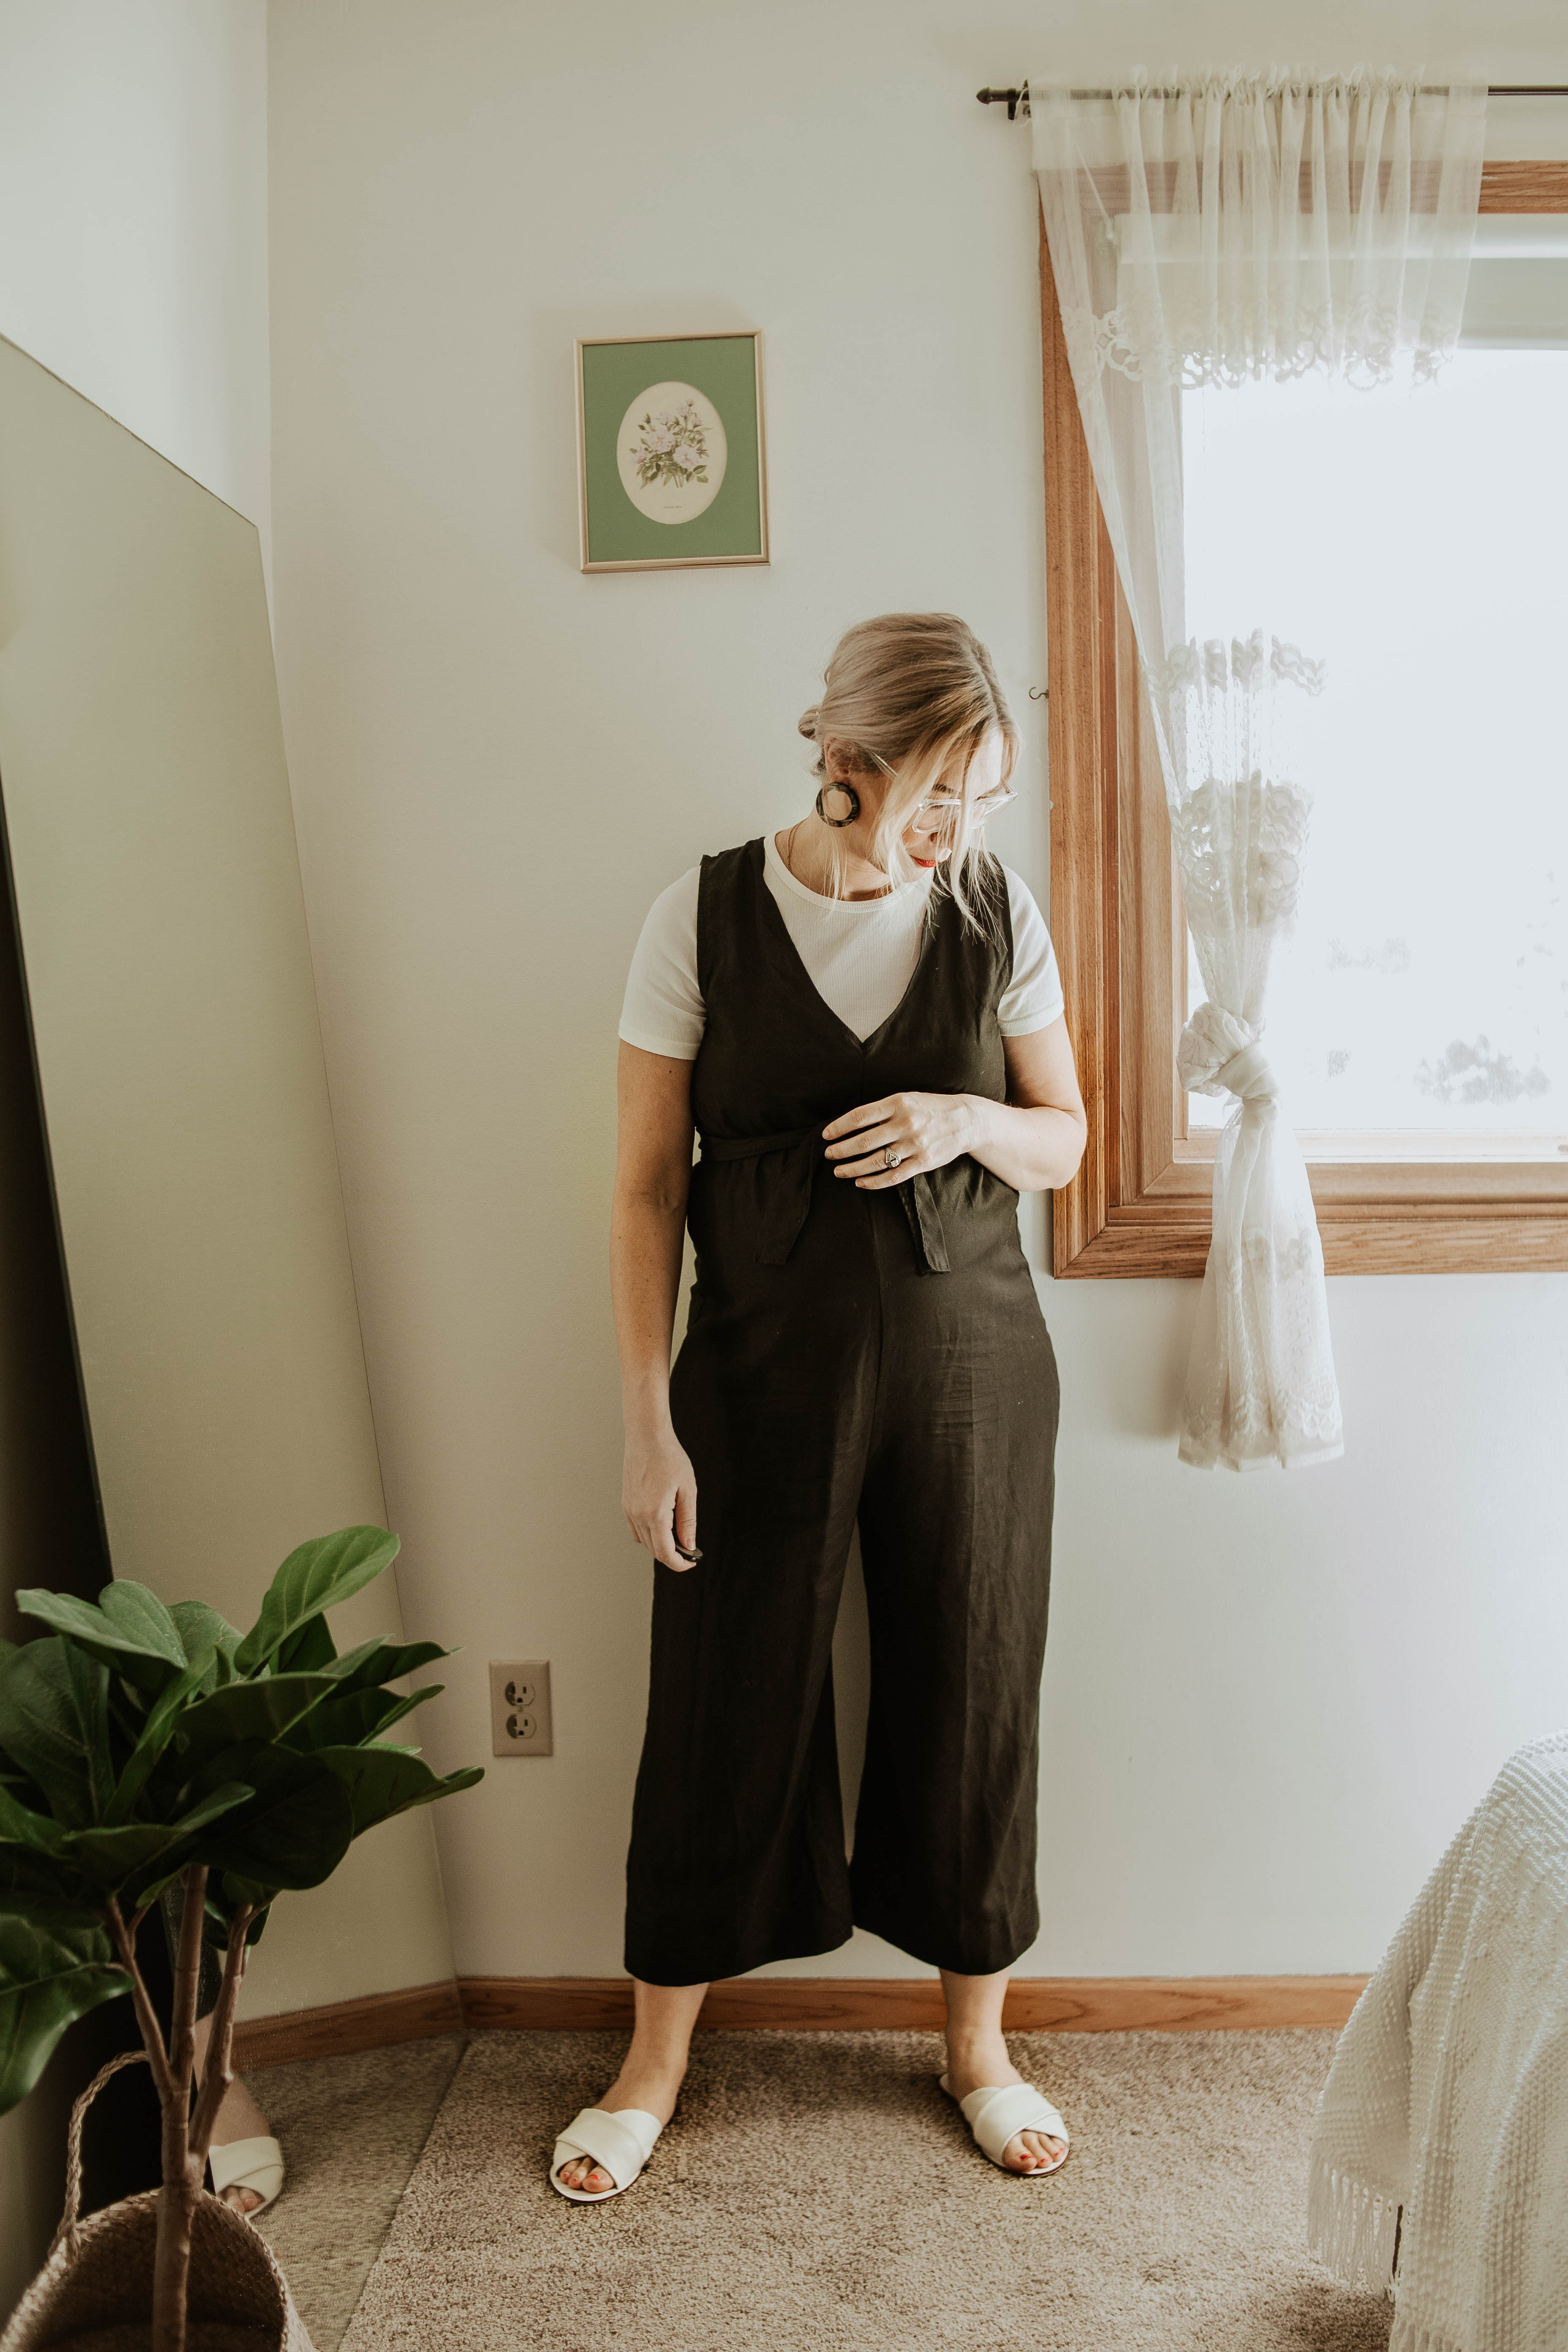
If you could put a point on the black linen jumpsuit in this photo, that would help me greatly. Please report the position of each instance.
(849, 1355)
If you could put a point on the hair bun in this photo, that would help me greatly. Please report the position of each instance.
(807, 722)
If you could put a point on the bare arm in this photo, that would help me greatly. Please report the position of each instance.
(1033, 1140)
(653, 1176)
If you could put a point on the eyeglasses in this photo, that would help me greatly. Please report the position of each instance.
(940, 814)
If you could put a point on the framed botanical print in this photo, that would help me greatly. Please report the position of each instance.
(671, 466)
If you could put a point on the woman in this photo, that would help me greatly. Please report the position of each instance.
(861, 1017)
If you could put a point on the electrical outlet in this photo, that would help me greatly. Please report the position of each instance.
(520, 1707)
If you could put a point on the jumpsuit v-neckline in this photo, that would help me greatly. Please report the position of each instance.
(868, 1043)
(850, 1357)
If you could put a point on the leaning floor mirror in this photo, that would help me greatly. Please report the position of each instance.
(161, 934)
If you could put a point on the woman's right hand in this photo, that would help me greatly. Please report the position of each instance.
(659, 1495)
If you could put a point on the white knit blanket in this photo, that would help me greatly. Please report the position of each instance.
(1442, 2131)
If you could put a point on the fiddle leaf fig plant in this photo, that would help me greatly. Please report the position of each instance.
(145, 1745)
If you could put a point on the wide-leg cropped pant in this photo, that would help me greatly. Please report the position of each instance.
(924, 1407)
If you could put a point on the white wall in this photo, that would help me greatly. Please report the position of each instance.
(134, 205)
(1269, 1701)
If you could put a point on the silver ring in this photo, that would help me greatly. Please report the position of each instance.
(890, 1158)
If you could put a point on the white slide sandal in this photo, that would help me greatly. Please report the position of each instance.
(253, 2164)
(996, 2116)
(621, 2142)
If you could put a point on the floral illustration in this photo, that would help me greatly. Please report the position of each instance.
(672, 447)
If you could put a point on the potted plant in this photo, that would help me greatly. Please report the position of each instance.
(140, 1746)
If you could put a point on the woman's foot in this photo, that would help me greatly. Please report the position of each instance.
(977, 2059)
(980, 2060)
(653, 2071)
(653, 2088)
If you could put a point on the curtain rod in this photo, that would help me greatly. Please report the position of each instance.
(1016, 102)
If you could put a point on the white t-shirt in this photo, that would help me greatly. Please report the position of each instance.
(860, 953)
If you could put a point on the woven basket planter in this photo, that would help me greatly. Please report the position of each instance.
(95, 2292)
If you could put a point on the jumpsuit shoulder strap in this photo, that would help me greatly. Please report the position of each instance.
(973, 961)
(726, 911)
(996, 908)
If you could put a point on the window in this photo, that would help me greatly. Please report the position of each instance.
(1418, 1019)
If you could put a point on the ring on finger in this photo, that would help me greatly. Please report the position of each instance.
(892, 1158)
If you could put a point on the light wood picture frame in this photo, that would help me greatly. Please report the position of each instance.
(671, 460)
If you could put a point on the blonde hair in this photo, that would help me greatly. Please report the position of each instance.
(914, 695)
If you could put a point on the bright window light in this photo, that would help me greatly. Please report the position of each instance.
(1412, 540)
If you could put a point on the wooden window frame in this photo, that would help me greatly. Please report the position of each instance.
(1140, 1203)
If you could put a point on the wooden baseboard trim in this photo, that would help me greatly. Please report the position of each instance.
(816, 2004)
(1035, 2004)
(374, 2022)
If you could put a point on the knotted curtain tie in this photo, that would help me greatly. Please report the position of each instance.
(1219, 1054)
(788, 1198)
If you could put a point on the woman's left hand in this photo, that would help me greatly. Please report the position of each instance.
(924, 1130)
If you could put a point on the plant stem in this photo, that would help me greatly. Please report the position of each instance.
(177, 2217)
(177, 2197)
(146, 2015)
(187, 1980)
(218, 2073)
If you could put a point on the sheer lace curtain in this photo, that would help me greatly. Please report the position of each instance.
(1212, 233)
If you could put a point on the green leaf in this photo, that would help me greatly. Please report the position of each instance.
(127, 1707)
(115, 1859)
(89, 1682)
(55, 1963)
(203, 1633)
(27, 1872)
(129, 1629)
(353, 1668)
(53, 1723)
(315, 1577)
(211, 1805)
(307, 1651)
(356, 1717)
(141, 1625)
(236, 1893)
(382, 1781)
(385, 1662)
(260, 1710)
(296, 1829)
(156, 1735)
(19, 1825)
(141, 1893)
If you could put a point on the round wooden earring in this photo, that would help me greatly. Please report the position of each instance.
(837, 785)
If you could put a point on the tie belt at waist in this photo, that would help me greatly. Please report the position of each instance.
(787, 1202)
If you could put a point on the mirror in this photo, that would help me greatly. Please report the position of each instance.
(178, 1055)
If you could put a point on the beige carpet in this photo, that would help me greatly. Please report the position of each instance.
(816, 2191)
(351, 2130)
